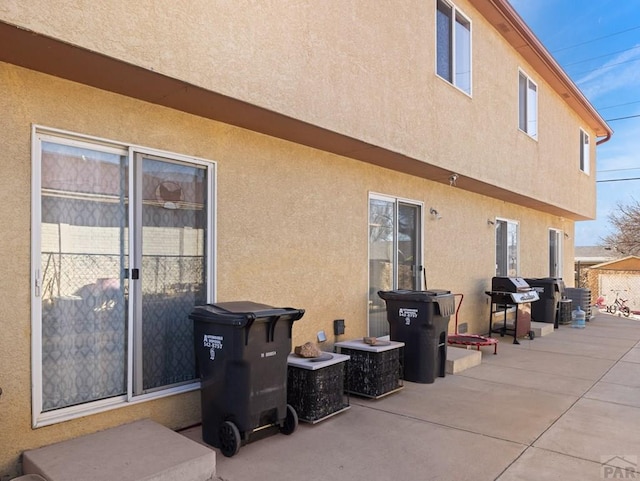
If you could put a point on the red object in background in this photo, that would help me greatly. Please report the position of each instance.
(471, 339)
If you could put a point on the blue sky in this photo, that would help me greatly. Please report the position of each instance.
(597, 42)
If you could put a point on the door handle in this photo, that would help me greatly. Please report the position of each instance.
(135, 274)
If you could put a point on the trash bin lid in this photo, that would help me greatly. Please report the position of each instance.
(408, 295)
(444, 299)
(543, 282)
(242, 313)
(243, 307)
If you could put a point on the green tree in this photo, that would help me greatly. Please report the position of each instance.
(625, 221)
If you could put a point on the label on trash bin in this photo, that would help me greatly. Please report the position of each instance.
(408, 314)
(213, 343)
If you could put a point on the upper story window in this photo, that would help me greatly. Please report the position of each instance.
(584, 152)
(453, 62)
(527, 105)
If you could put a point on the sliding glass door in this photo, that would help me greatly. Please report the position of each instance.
(171, 257)
(555, 253)
(80, 282)
(122, 241)
(395, 253)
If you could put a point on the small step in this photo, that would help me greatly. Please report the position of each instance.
(142, 450)
(541, 328)
(460, 358)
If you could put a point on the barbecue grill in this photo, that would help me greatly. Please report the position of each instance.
(509, 292)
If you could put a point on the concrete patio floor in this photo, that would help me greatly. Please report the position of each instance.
(558, 407)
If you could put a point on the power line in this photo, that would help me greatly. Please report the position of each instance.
(623, 118)
(619, 105)
(596, 39)
(607, 66)
(600, 56)
(617, 170)
(619, 180)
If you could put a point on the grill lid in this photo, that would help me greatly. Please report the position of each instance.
(509, 284)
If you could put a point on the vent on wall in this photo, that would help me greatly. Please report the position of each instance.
(503, 27)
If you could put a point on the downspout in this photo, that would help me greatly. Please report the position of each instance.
(606, 139)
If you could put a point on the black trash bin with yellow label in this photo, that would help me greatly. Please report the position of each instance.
(241, 352)
(420, 319)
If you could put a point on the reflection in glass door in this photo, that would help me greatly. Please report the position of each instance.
(555, 253)
(122, 254)
(409, 270)
(507, 263)
(170, 254)
(83, 227)
(395, 254)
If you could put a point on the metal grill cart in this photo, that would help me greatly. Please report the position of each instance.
(373, 371)
(241, 350)
(315, 386)
(470, 339)
(507, 293)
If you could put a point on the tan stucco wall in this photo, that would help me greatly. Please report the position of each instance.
(291, 226)
(380, 60)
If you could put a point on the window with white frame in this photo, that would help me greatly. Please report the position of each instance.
(527, 105)
(584, 152)
(507, 246)
(453, 39)
(122, 252)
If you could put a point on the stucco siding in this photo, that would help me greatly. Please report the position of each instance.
(292, 229)
(364, 70)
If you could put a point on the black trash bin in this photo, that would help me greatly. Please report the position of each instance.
(241, 351)
(550, 290)
(420, 319)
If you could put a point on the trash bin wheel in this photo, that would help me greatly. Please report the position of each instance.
(229, 439)
(532, 335)
(290, 421)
